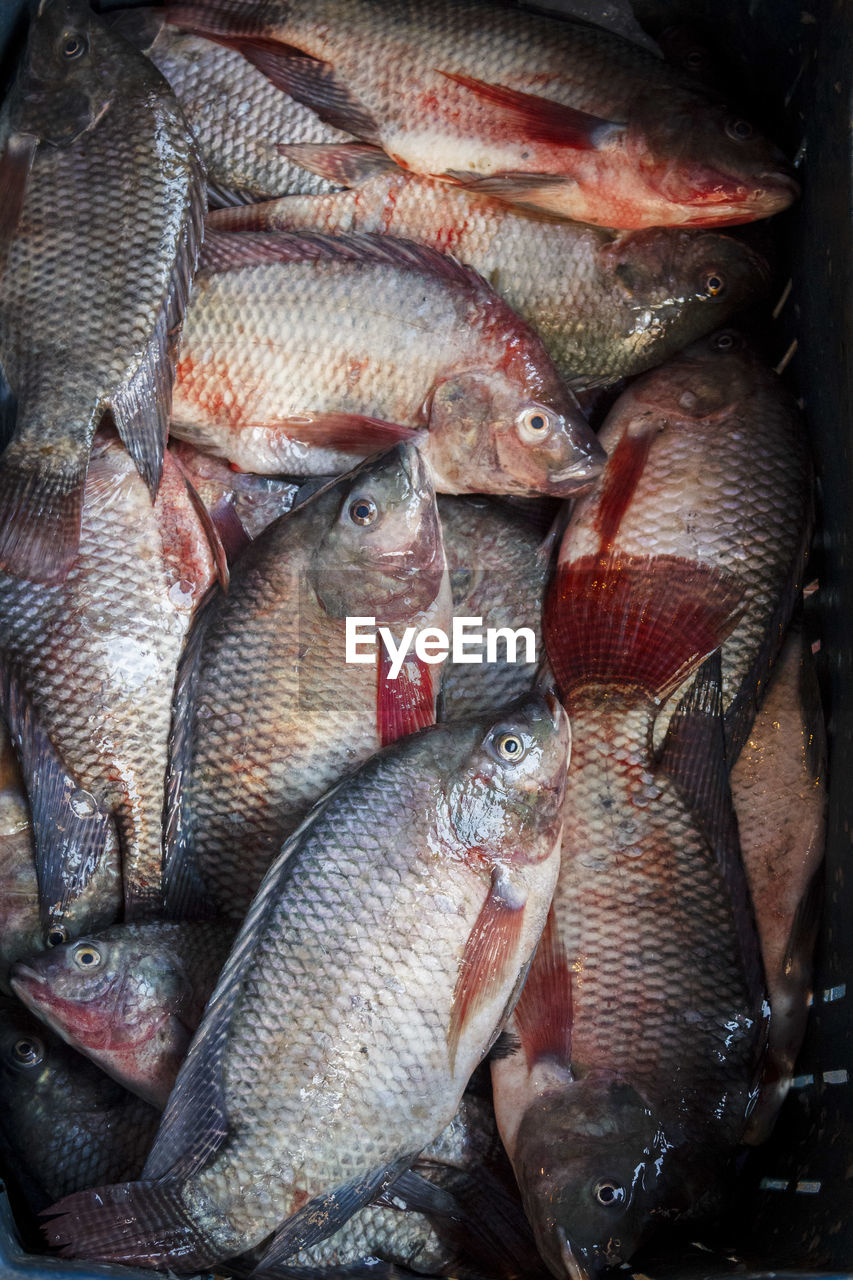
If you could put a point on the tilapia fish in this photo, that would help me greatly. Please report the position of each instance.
(237, 116)
(376, 965)
(605, 304)
(709, 461)
(89, 669)
(268, 713)
(498, 565)
(130, 998)
(63, 1123)
(21, 930)
(95, 279)
(779, 790)
(304, 352)
(639, 1030)
(561, 116)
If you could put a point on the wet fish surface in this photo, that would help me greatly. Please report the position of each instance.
(95, 280)
(406, 908)
(270, 379)
(89, 670)
(130, 997)
(268, 713)
(561, 116)
(606, 304)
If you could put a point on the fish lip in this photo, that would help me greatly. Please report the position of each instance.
(782, 178)
(573, 1268)
(587, 468)
(21, 970)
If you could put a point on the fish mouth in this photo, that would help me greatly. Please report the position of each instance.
(782, 179)
(572, 1267)
(21, 974)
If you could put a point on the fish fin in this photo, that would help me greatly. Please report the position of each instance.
(141, 408)
(41, 504)
(230, 528)
(542, 119)
(15, 165)
(211, 530)
(694, 757)
(349, 432)
(220, 197)
(412, 1193)
(406, 704)
(326, 1213)
(644, 622)
(371, 1268)
(347, 164)
(141, 1223)
(184, 895)
(544, 1013)
(507, 1045)
(227, 536)
(70, 829)
(491, 948)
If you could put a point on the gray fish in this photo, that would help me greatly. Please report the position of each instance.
(95, 278)
(375, 968)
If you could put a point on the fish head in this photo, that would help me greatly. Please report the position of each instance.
(712, 161)
(702, 384)
(509, 794)
(494, 436)
(68, 77)
(590, 1163)
(672, 284)
(382, 554)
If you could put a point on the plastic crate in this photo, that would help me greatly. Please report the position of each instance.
(794, 61)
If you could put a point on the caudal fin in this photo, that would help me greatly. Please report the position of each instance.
(41, 504)
(142, 1223)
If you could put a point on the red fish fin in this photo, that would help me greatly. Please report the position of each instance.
(211, 530)
(625, 466)
(406, 704)
(347, 164)
(643, 622)
(513, 188)
(349, 432)
(232, 532)
(541, 119)
(489, 952)
(41, 505)
(136, 1223)
(70, 829)
(14, 170)
(543, 1015)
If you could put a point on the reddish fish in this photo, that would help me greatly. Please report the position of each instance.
(561, 116)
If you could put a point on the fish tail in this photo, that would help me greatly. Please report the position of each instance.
(41, 504)
(136, 1223)
(645, 623)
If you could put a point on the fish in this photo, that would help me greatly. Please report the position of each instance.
(94, 280)
(257, 741)
(270, 379)
(606, 304)
(130, 998)
(21, 931)
(63, 1123)
(639, 1034)
(376, 965)
(88, 671)
(499, 567)
(779, 791)
(236, 115)
(574, 120)
(716, 437)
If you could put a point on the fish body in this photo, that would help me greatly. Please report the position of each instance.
(63, 1123)
(779, 791)
(237, 116)
(90, 669)
(498, 568)
(271, 379)
(558, 115)
(269, 714)
(130, 998)
(605, 304)
(403, 912)
(95, 281)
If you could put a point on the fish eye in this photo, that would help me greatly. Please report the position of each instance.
(533, 423)
(511, 747)
(714, 284)
(28, 1052)
(86, 956)
(609, 1193)
(56, 935)
(363, 511)
(73, 46)
(694, 59)
(739, 130)
(724, 342)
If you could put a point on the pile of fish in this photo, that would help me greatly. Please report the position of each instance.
(321, 953)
